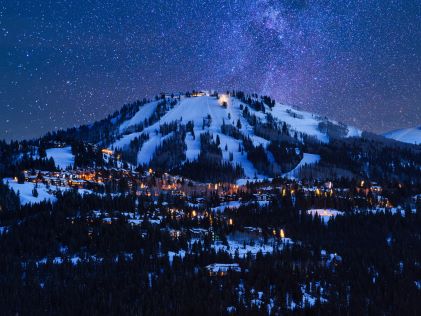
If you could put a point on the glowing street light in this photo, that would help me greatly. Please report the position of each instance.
(282, 233)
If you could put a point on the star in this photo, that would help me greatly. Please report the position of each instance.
(357, 62)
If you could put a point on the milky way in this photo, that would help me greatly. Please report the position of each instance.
(65, 63)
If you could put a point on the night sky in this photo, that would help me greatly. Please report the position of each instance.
(65, 63)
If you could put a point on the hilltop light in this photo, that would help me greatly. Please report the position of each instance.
(223, 98)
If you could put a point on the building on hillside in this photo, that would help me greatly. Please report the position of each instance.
(221, 269)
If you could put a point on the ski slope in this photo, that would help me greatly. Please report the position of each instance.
(63, 157)
(308, 159)
(406, 135)
(144, 113)
(208, 115)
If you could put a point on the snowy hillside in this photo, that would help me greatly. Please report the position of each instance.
(63, 157)
(44, 192)
(252, 118)
(406, 135)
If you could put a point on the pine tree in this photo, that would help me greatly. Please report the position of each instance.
(238, 124)
(35, 191)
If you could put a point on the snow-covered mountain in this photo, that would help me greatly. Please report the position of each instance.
(226, 137)
(231, 120)
(406, 135)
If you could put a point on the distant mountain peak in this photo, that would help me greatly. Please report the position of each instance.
(406, 135)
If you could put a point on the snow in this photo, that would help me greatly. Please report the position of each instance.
(3, 229)
(223, 267)
(406, 135)
(125, 140)
(223, 206)
(308, 159)
(44, 193)
(306, 122)
(63, 157)
(197, 109)
(25, 191)
(171, 254)
(303, 122)
(238, 157)
(353, 132)
(250, 248)
(307, 299)
(236, 204)
(393, 210)
(325, 214)
(145, 112)
(193, 147)
(231, 309)
(257, 180)
(145, 154)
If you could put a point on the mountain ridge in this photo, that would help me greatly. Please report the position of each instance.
(235, 136)
(410, 135)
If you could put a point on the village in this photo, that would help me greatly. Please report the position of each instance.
(214, 196)
(200, 213)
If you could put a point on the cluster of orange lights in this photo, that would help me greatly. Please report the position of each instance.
(107, 151)
(281, 233)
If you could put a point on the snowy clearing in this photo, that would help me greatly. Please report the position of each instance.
(63, 157)
(325, 214)
(308, 159)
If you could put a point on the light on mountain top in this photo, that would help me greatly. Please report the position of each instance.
(223, 98)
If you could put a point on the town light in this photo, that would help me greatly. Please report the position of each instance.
(107, 151)
(282, 233)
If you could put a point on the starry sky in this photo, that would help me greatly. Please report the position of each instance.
(65, 63)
